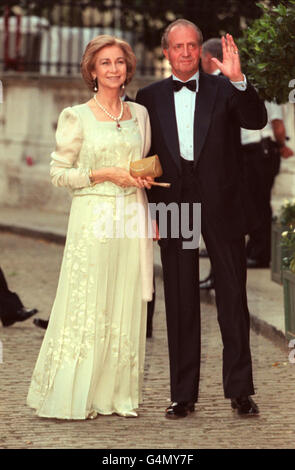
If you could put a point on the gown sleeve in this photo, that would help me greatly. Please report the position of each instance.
(64, 170)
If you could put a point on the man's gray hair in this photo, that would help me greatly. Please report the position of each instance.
(214, 47)
(180, 22)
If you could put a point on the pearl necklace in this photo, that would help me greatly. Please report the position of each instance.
(117, 119)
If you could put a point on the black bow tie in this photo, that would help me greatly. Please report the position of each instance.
(191, 85)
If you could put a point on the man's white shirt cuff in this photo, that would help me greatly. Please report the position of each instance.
(240, 85)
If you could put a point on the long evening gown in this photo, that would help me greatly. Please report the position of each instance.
(92, 356)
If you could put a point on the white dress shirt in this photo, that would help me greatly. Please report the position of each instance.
(185, 101)
(249, 136)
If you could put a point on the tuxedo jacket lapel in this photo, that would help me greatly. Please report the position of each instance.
(205, 100)
(167, 115)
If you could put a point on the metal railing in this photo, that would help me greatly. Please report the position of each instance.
(48, 37)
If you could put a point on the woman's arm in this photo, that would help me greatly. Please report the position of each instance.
(69, 139)
(119, 176)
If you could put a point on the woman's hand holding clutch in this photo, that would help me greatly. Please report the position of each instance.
(149, 167)
(148, 181)
(122, 178)
(119, 176)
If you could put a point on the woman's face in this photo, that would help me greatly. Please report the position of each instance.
(110, 67)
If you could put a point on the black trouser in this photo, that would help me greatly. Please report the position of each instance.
(262, 164)
(151, 307)
(10, 303)
(182, 299)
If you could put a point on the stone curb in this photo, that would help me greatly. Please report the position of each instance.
(45, 234)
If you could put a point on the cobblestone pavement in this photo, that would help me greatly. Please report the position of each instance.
(32, 268)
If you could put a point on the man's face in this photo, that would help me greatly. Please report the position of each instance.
(183, 52)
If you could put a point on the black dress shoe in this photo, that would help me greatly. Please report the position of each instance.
(40, 323)
(21, 315)
(25, 313)
(254, 263)
(179, 410)
(207, 284)
(245, 406)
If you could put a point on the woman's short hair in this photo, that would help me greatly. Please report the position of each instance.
(98, 43)
(180, 22)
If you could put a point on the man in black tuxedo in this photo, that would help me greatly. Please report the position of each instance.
(194, 134)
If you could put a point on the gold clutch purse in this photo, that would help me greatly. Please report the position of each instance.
(149, 166)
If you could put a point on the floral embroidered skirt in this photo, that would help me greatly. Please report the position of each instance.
(92, 356)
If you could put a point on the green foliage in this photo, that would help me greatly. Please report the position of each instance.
(267, 51)
(288, 250)
(287, 213)
(287, 217)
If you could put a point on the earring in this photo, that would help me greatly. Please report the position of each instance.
(95, 85)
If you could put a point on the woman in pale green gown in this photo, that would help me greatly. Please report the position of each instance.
(92, 357)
